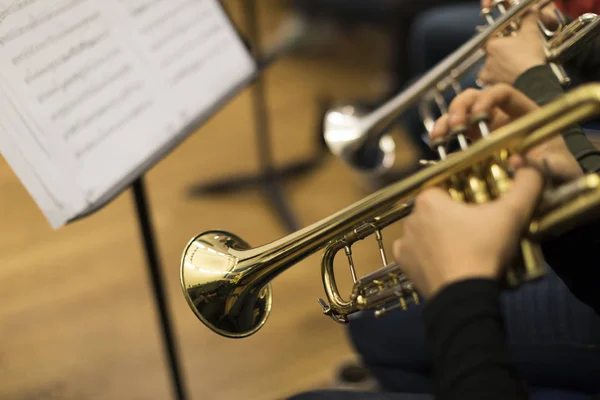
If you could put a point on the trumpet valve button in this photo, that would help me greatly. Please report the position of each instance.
(499, 4)
(427, 162)
(458, 133)
(487, 14)
(458, 130)
(434, 143)
(480, 117)
(481, 120)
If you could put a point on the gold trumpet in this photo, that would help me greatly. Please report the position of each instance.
(227, 283)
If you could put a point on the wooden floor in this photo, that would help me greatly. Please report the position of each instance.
(77, 317)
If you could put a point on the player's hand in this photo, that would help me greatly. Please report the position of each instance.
(510, 56)
(445, 241)
(504, 104)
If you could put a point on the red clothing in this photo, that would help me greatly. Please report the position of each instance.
(574, 8)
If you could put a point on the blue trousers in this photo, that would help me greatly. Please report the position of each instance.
(554, 340)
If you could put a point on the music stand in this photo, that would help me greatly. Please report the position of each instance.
(135, 181)
(155, 273)
(269, 179)
(151, 253)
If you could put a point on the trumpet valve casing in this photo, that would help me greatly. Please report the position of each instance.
(383, 290)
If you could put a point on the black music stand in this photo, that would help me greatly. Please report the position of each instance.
(155, 274)
(153, 263)
(269, 178)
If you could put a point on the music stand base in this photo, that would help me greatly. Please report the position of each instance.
(270, 182)
(269, 179)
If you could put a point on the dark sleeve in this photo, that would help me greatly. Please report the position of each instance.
(540, 84)
(574, 258)
(465, 328)
(572, 255)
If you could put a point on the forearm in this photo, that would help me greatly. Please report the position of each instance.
(466, 330)
(572, 254)
(540, 84)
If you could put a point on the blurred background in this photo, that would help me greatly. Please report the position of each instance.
(77, 320)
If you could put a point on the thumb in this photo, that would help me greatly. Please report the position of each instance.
(526, 189)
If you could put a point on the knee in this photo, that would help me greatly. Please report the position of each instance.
(395, 339)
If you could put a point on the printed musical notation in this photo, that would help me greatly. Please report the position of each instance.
(191, 43)
(96, 89)
(87, 109)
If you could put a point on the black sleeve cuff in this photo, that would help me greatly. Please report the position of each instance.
(584, 151)
(539, 84)
(466, 331)
(486, 291)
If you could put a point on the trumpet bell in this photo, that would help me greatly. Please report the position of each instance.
(345, 136)
(212, 280)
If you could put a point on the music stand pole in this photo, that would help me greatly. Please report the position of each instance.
(158, 288)
(270, 178)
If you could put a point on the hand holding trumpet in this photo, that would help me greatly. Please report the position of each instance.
(445, 241)
(510, 56)
(504, 104)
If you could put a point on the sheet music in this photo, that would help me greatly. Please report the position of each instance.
(91, 98)
(191, 45)
(94, 89)
(57, 200)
